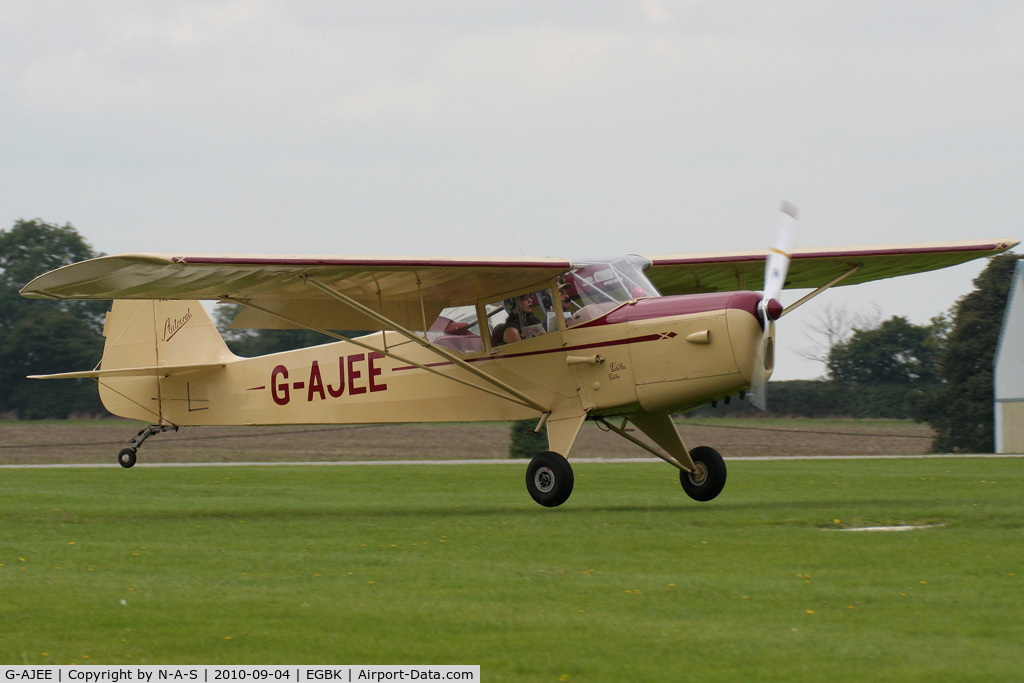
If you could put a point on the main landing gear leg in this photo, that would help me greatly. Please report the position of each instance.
(701, 471)
(128, 456)
(549, 478)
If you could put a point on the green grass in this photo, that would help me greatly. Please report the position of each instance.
(629, 580)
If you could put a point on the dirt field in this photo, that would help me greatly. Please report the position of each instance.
(99, 441)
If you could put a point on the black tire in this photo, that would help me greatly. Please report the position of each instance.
(549, 479)
(709, 479)
(126, 458)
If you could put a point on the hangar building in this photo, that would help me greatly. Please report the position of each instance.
(1009, 371)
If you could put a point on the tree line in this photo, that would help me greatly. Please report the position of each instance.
(44, 337)
(40, 337)
(940, 373)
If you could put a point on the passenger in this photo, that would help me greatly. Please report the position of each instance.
(521, 322)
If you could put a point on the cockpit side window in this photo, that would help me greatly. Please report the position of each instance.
(521, 317)
(457, 329)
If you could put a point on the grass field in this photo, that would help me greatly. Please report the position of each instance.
(433, 564)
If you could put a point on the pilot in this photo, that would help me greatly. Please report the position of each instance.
(521, 322)
(565, 295)
(567, 305)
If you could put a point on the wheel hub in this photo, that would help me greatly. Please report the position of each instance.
(544, 479)
(699, 474)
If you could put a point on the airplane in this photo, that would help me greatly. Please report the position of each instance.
(624, 340)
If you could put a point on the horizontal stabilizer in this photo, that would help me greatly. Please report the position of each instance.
(151, 371)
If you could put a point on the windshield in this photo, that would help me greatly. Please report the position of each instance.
(595, 286)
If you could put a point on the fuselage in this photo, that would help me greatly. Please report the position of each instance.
(656, 355)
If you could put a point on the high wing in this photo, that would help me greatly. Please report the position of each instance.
(412, 291)
(405, 290)
(810, 268)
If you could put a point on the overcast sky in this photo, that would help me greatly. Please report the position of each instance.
(589, 128)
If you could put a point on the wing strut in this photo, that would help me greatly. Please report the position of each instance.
(443, 352)
(821, 289)
(386, 352)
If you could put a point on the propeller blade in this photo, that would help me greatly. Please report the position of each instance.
(777, 263)
(775, 268)
(758, 396)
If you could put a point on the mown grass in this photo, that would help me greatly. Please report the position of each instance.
(629, 580)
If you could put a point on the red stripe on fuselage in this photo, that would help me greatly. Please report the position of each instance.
(595, 345)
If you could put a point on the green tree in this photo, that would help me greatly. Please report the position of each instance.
(883, 370)
(44, 337)
(525, 443)
(960, 410)
(894, 352)
(876, 369)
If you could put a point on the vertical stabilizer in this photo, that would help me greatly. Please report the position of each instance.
(144, 334)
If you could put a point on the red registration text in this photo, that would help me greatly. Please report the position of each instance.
(360, 369)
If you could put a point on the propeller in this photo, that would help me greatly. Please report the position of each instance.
(769, 309)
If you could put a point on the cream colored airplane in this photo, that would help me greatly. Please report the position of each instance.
(636, 338)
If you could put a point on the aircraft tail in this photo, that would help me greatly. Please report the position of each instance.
(151, 347)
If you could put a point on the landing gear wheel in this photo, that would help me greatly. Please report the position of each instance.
(549, 479)
(126, 458)
(709, 478)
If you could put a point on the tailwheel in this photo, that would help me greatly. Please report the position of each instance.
(708, 479)
(549, 479)
(127, 457)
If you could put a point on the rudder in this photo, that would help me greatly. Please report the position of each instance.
(148, 334)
